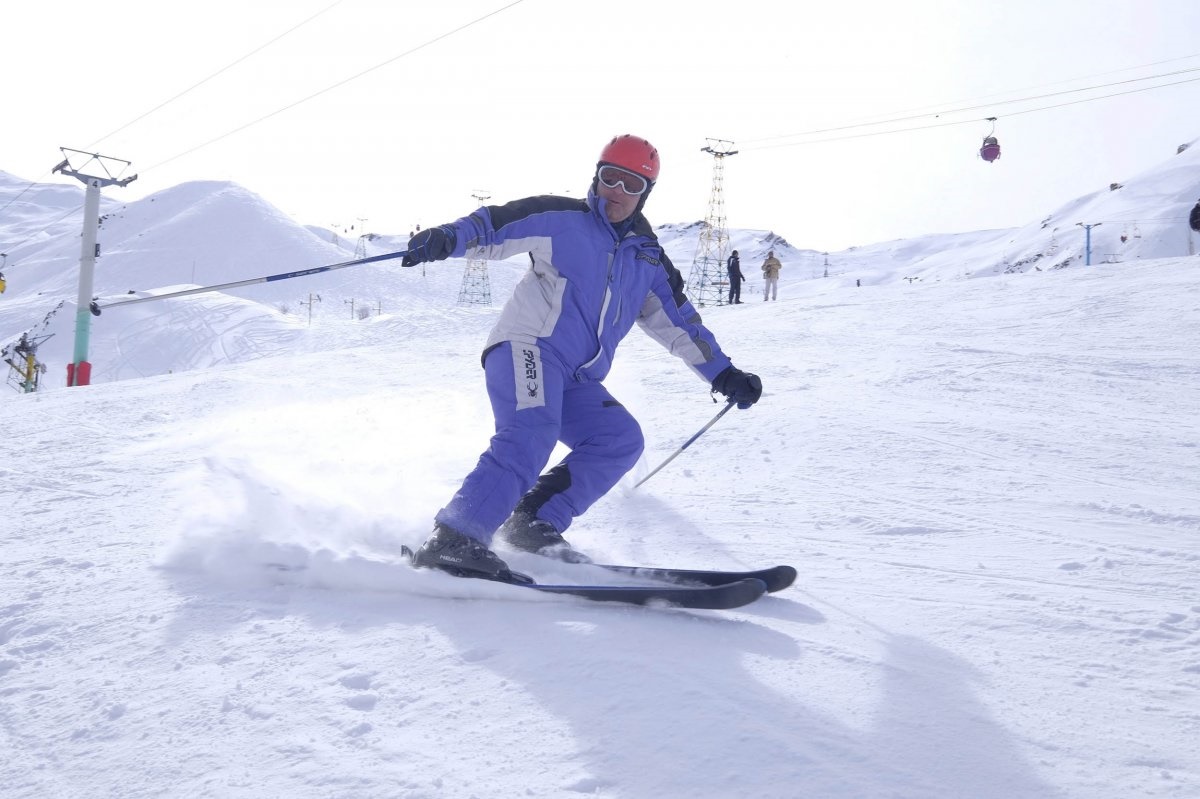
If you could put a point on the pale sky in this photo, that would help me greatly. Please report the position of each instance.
(521, 100)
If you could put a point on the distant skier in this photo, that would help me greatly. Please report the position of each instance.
(770, 270)
(596, 268)
(1194, 221)
(733, 267)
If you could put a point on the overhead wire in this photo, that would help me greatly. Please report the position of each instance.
(45, 227)
(281, 110)
(220, 71)
(191, 88)
(747, 144)
(1038, 87)
(750, 144)
(337, 85)
(967, 121)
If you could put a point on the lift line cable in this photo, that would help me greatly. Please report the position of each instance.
(959, 122)
(278, 111)
(165, 103)
(337, 85)
(220, 71)
(934, 107)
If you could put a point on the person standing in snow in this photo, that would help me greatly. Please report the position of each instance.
(770, 270)
(596, 268)
(1194, 221)
(733, 267)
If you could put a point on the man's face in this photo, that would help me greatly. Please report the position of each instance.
(615, 185)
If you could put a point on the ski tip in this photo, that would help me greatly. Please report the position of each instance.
(743, 592)
(782, 577)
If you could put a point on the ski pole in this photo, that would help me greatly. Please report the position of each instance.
(96, 307)
(687, 443)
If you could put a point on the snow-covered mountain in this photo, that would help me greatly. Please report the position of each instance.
(211, 233)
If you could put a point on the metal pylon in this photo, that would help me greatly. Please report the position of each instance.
(708, 280)
(476, 287)
(360, 249)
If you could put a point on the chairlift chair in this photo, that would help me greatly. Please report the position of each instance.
(990, 150)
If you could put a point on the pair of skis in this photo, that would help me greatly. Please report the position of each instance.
(708, 589)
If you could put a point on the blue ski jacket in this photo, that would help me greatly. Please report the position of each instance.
(587, 285)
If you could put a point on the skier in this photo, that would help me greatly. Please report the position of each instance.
(596, 268)
(733, 268)
(770, 270)
(1194, 221)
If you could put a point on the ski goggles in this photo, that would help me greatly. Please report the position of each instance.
(612, 176)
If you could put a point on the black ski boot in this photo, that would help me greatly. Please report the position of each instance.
(451, 551)
(528, 534)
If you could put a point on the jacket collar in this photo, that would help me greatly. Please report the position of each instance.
(638, 225)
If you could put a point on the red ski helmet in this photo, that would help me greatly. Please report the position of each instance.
(632, 153)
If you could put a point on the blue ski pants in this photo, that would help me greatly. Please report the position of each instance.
(537, 402)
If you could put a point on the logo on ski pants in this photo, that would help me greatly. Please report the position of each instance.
(527, 376)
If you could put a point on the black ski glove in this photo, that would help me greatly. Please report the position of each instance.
(431, 244)
(738, 386)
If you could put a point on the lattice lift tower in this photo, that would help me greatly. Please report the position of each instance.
(26, 369)
(360, 249)
(708, 279)
(476, 288)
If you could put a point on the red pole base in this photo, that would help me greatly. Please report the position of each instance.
(79, 374)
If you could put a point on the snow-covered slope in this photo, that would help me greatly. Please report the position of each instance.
(988, 487)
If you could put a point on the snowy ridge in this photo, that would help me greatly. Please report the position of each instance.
(210, 233)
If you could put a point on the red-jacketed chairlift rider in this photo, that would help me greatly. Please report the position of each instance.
(596, 269)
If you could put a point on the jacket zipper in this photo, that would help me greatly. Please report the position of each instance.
(608, 295)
